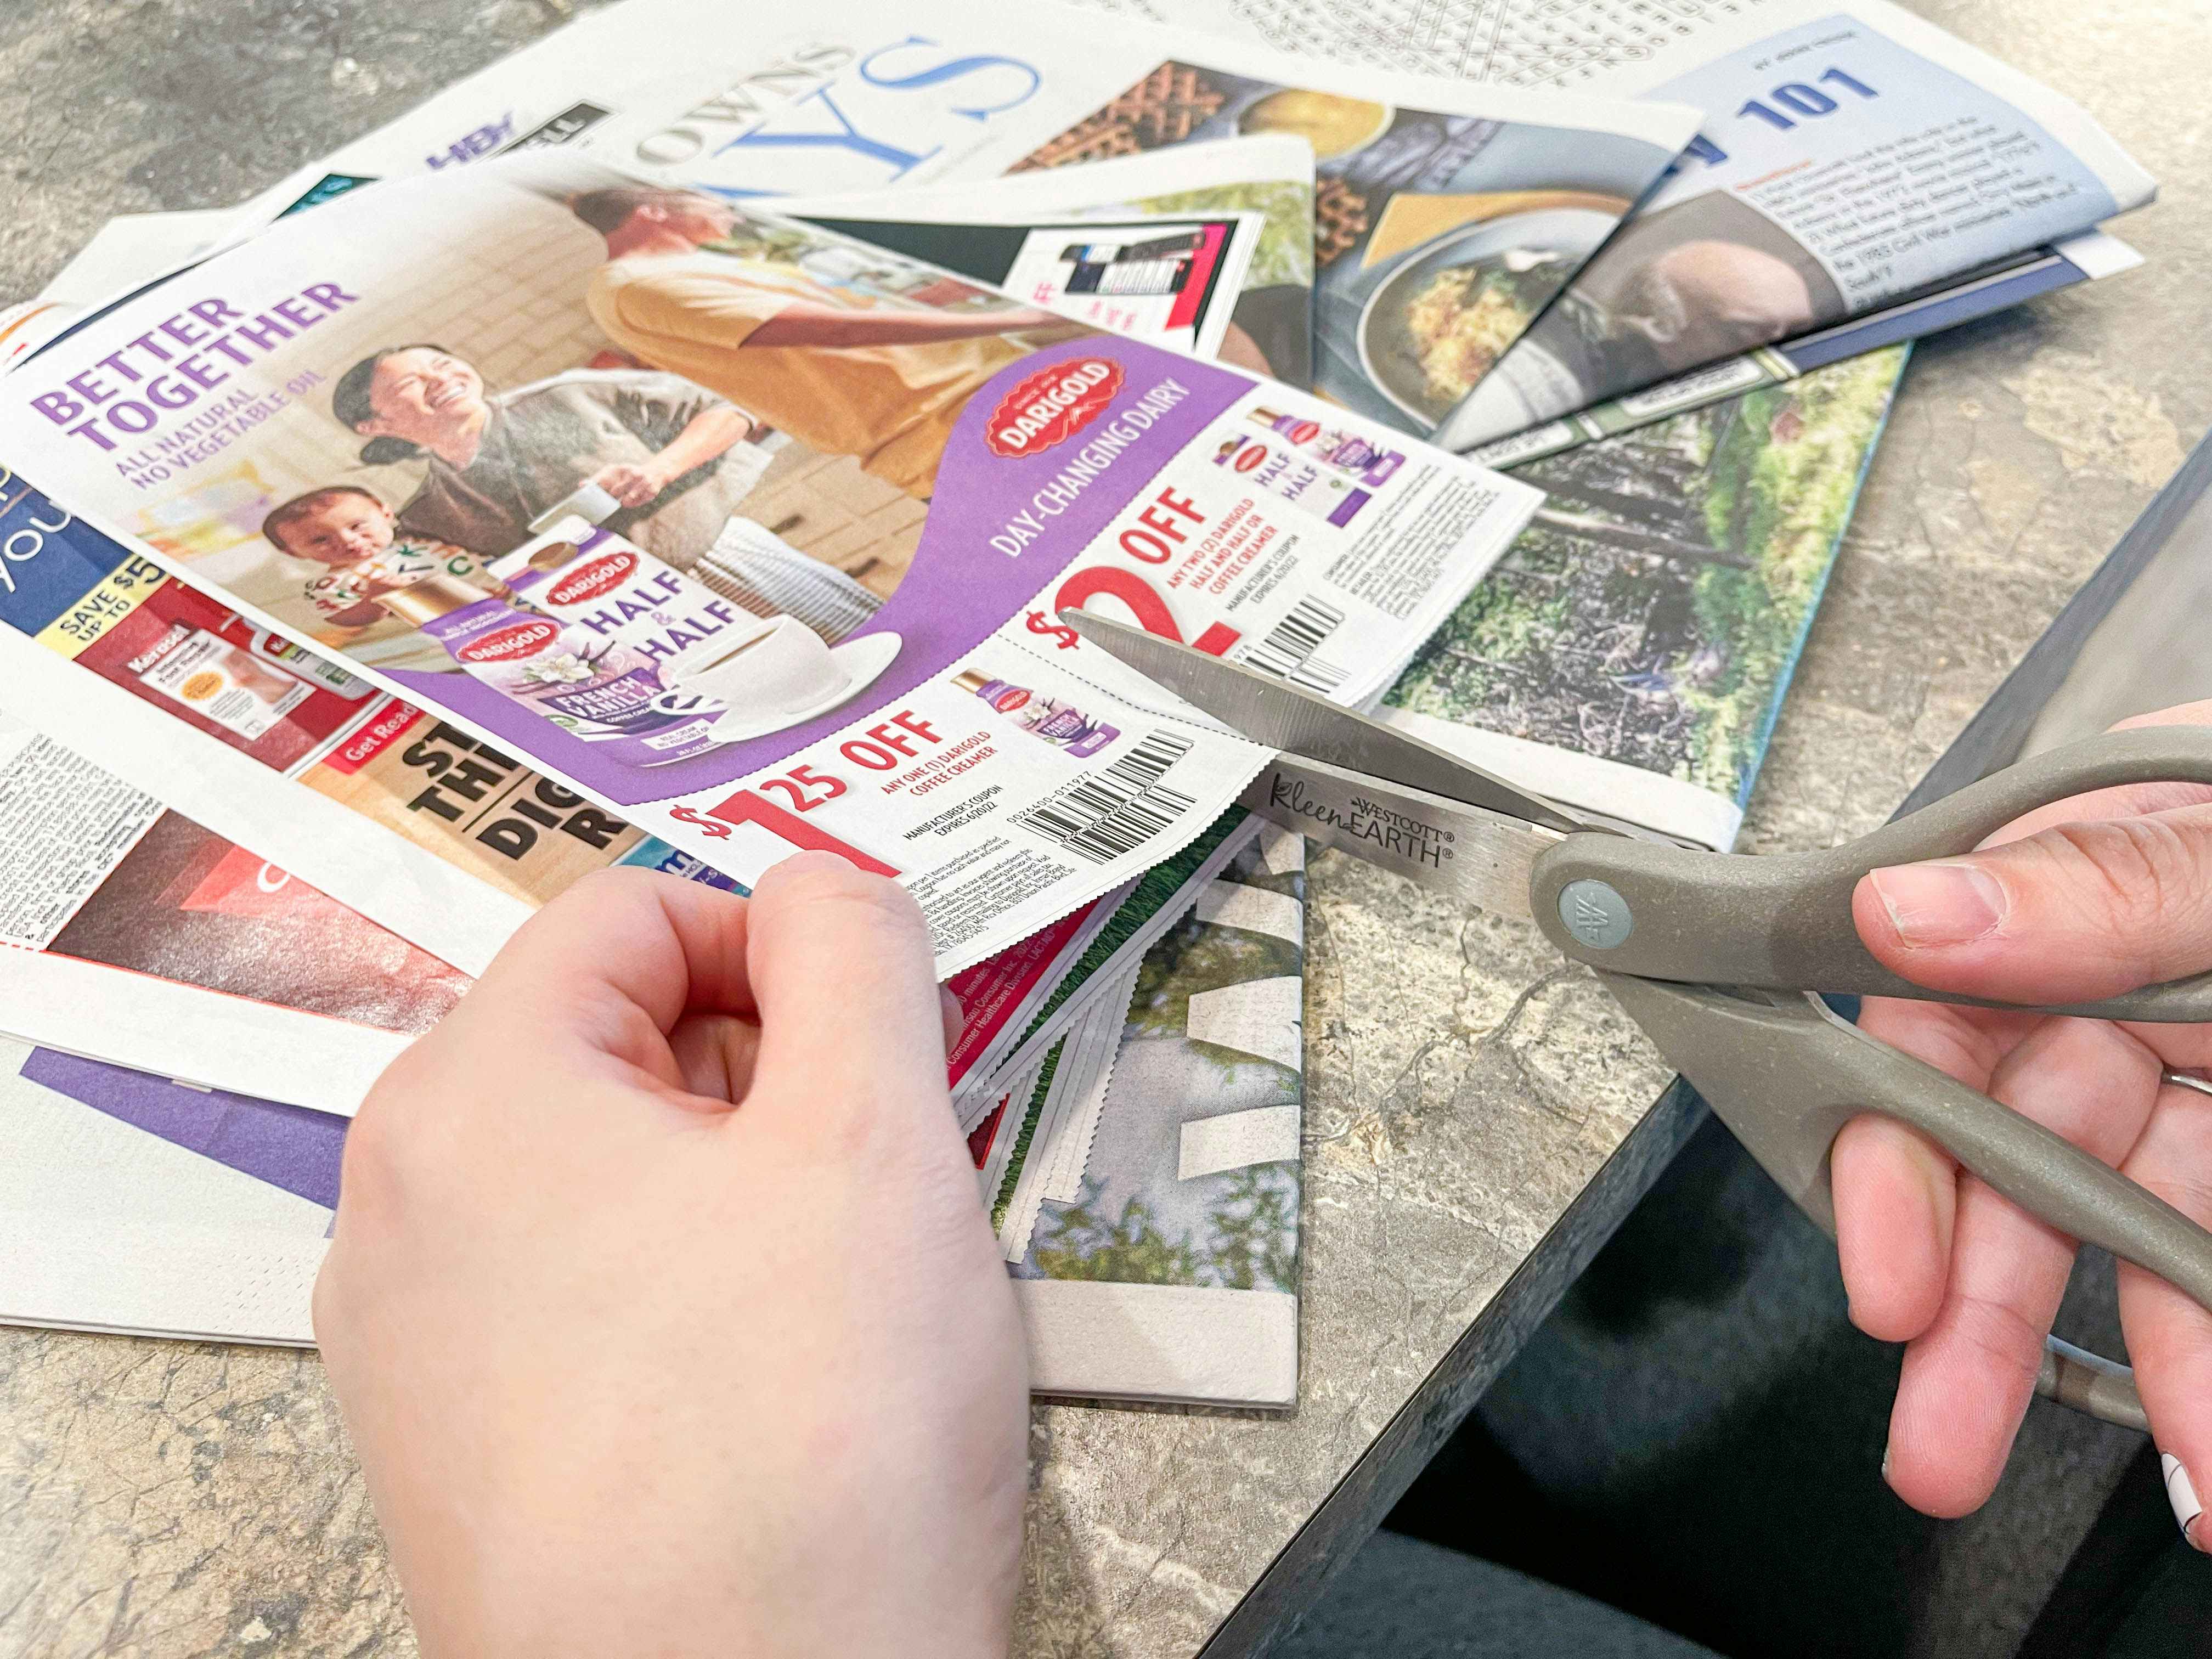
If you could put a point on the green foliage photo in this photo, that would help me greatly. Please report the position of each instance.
(1652, 611)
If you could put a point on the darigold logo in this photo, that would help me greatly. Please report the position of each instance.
(1052, 405)
(522, 639)
(589, 581)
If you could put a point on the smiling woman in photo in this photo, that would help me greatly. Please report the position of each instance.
(500, 459)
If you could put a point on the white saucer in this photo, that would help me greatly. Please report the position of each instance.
(863, 661)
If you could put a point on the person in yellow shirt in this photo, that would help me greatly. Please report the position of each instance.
(842, 374)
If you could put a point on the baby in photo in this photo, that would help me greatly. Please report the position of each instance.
(354, 537)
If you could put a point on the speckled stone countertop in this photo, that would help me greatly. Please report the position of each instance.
(1479, 1116)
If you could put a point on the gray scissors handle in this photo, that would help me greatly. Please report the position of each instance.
(1784, 922)
(1785, 1075)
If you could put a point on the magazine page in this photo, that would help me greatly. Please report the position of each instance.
(2088, 258)
(94, 604)
(1171, 280)
(732, 658)
(131, 933)
(1864, 156)
(1448, 216)
(1268, 174)
(1630, 652)
(1852, 154)
(1149, 1207)
(1153, 904)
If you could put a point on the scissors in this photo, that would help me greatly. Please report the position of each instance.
(1722, 957)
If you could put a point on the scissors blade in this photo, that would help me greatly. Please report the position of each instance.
(1275, 713)
(1475, 855)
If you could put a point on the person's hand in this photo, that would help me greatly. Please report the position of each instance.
(661, 1308)
(632, 483)
(2082, 900)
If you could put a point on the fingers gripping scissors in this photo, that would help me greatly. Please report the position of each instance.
(1720, 958)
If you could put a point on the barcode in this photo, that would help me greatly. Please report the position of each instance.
(1118, 810)
(1288, 651)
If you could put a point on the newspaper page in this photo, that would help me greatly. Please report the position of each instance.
(949, 730)
(130, 931)
(1630, 652)
(1448, 216)
(862, 98)
(129, 1202)
(1851, 155)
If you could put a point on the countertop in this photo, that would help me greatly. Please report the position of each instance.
(1479, 1116)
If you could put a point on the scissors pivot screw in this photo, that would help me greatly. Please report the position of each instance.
(1595, 914)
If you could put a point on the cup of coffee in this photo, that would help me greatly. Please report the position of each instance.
(783, 667)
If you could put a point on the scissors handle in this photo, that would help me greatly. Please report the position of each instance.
(1784, 922)
(1785, 1075)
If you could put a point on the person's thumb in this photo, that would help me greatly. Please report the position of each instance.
(840, 971)
(2071, 914)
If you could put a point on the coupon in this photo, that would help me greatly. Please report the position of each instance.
(750, 534)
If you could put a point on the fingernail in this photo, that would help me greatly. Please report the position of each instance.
(1932, 904)
(2182, 1494)
(1885, 1465)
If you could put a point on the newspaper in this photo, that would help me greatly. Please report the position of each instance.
(1852, 154)
(1511, 191)
(130, 931)
(947, 730)
(875, 93)
(1630, 653)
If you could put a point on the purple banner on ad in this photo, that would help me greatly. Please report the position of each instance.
(986, 550)
(286, 1146)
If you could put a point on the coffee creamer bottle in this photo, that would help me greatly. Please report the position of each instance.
(606, 693)
(1059, 723)
(614, 590)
